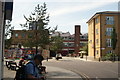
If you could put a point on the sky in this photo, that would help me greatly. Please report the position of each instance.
(64, 13)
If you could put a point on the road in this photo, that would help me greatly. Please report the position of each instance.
(90, 69)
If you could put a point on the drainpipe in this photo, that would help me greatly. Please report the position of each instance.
(94, 39)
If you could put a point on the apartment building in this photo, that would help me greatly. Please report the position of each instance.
(100, 29)
(69, 41)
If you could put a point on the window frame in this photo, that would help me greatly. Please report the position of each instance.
(109, 31)
(16, 35)
(109, 42)
(109, 20)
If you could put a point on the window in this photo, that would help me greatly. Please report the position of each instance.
(90, 41)
(30, 36)
(108, 41)
(108, 52)
(97, 52)
(65, 44)
(81, 44)
(97, 41)
(96, 31)
(65, 38)
(72, 38)
(109, 31)
(16, 35)
(82, 37)
(109, 20)
(23, 35)
(71, 45)
(96, 20)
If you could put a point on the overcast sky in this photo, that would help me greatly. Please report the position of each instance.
(64, 13)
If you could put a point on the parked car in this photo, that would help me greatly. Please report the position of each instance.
(58, 56)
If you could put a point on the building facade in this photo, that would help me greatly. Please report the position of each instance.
(20, 37)
(100, 28)
(69, 41)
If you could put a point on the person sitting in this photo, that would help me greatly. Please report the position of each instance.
(22, 61)
(32, 71)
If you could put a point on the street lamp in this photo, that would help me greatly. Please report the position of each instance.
(101, 53)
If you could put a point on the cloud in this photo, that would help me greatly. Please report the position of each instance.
(69, 26)
(86, 6)
(78, 22)
(16, 22)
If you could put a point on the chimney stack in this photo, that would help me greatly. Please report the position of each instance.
(77, 39)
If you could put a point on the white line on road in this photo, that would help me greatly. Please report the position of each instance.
(97, 78)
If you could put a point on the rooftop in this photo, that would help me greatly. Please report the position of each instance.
(104, 12)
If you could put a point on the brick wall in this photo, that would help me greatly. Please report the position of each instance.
(77, 38)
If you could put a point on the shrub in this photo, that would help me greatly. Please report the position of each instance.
(110, 56)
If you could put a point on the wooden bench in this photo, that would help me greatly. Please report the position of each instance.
(11, 65)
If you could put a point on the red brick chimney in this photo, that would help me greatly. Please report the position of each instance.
(77, 39)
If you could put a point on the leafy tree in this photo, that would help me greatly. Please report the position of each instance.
(114, 39)
(8, 43)
(85, 48)
(8, 29)
(39, 20)
(29, 43)
(56, 44)
(8, 32)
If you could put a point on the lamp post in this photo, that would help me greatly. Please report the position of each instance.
(36, 37)
(101, 54)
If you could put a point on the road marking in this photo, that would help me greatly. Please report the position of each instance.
(97, 78)
(83, 75)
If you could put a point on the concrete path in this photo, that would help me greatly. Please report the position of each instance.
(55, 72)
(8, 74)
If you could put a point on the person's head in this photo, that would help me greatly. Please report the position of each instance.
(22, 58)
(38, 59)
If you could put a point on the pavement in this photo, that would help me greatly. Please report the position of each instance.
(8, 74)
(53, 73)
(87, 69)
(72, 58)
(56, 71)
(86, 59)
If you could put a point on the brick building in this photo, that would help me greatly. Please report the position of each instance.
(20, 37)
(100, 28)
(69, 41)
(23, 36)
